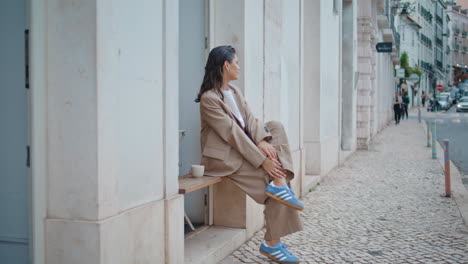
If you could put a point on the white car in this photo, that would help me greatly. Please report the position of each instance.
(443, 101)
(462, 104)
(449, 95)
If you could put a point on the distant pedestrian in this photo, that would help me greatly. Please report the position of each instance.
(396, 108)
(423, 99)
(404, 105)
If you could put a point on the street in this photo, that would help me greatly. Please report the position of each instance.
(454, 127)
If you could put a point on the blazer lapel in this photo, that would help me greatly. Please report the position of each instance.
(230, 111)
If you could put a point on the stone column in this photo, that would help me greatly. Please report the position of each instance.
(312, 82)
(366, 64)
(349, 67)
(373, 93)
(112, 133)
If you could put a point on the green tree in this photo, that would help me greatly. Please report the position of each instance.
(408, 69)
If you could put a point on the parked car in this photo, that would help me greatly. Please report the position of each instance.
(450, 98)
(444, 102)
(462, 104)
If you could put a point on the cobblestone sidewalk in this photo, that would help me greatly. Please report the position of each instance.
(381, 206)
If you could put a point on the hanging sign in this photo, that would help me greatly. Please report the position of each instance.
(384, 47)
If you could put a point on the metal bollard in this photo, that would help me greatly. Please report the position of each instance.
(447, 168)
(419, 114)
(434, 138)
(428, 125)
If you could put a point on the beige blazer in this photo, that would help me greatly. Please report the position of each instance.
(224, 142)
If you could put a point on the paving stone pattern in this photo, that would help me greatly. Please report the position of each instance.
(384, 205)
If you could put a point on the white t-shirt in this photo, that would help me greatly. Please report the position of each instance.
(231, 101)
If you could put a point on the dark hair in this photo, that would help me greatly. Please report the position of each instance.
(214, 68)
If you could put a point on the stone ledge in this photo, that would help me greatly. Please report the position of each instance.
(213, 245)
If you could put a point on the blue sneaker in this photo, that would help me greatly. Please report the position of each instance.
(284, 195)
(278, 253)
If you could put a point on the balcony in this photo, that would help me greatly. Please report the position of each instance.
(426, 66)
(439, 42)
(438, 64)
(426, 41)
(426, 14)
(439, 20)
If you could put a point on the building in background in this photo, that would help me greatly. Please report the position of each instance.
(462, 4)
(408, 30)
(435, 45)
(409, 40)
(441, 59)
(458, 39)
(102, 97)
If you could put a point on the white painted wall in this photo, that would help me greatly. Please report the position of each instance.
(329, 70)
(291, 85)
(72, 111)
(282, 63)
(322, 64)
(130, 104)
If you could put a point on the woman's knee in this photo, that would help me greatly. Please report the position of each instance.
(275, 125)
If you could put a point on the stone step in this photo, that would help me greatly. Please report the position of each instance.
(213, 245)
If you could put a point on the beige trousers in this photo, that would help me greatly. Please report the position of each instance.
(280, 220)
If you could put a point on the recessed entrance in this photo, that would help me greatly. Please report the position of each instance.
(14, 139)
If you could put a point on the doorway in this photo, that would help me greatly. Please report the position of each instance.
(192, 55)
(14, 135)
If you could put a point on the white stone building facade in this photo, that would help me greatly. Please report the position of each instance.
(409, 37)
(424, 16)
(111, 122)
(409, 29)
(458, 41)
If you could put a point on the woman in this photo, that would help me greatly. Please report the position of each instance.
(253, 155)
(405, 103)
(397, 108)
(423, 99)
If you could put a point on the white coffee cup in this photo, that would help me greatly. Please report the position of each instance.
(197, 170)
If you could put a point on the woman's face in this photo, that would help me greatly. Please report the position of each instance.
(231, 69)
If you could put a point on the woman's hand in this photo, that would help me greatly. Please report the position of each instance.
(268, 150)
(273, 168)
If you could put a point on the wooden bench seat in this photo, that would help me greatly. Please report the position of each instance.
(188, 183)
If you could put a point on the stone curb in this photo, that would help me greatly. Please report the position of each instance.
(459, 192)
